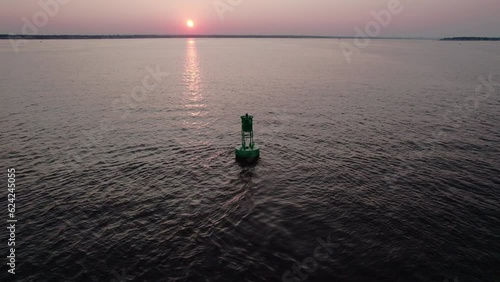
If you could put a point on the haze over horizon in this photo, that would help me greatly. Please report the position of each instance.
(257, 17)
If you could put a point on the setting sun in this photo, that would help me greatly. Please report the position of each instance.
(190, 23)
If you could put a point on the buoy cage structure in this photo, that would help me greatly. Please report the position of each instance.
(248, 150)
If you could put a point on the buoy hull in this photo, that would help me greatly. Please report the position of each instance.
(247, 154)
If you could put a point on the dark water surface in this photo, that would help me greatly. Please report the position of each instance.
(386, 168)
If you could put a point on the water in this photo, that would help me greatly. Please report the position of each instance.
(393, 158)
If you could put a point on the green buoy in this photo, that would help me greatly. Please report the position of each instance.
(248, 150)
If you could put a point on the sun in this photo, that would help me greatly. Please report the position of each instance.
(190, 23)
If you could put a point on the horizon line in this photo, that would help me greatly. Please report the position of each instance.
(27, 36)
(152, 36)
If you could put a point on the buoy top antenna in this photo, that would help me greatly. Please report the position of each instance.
(247, 123)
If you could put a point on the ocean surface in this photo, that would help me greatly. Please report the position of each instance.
(380, 166)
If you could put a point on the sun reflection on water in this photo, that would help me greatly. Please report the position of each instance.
(193, 94)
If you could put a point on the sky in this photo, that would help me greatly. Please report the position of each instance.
(417, 18)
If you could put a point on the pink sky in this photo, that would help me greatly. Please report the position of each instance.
(428, 18)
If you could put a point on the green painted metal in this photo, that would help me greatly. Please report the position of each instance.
(248, 149)
(247, 153)
(247, 123)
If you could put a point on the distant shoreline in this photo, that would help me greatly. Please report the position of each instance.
(471, 39)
